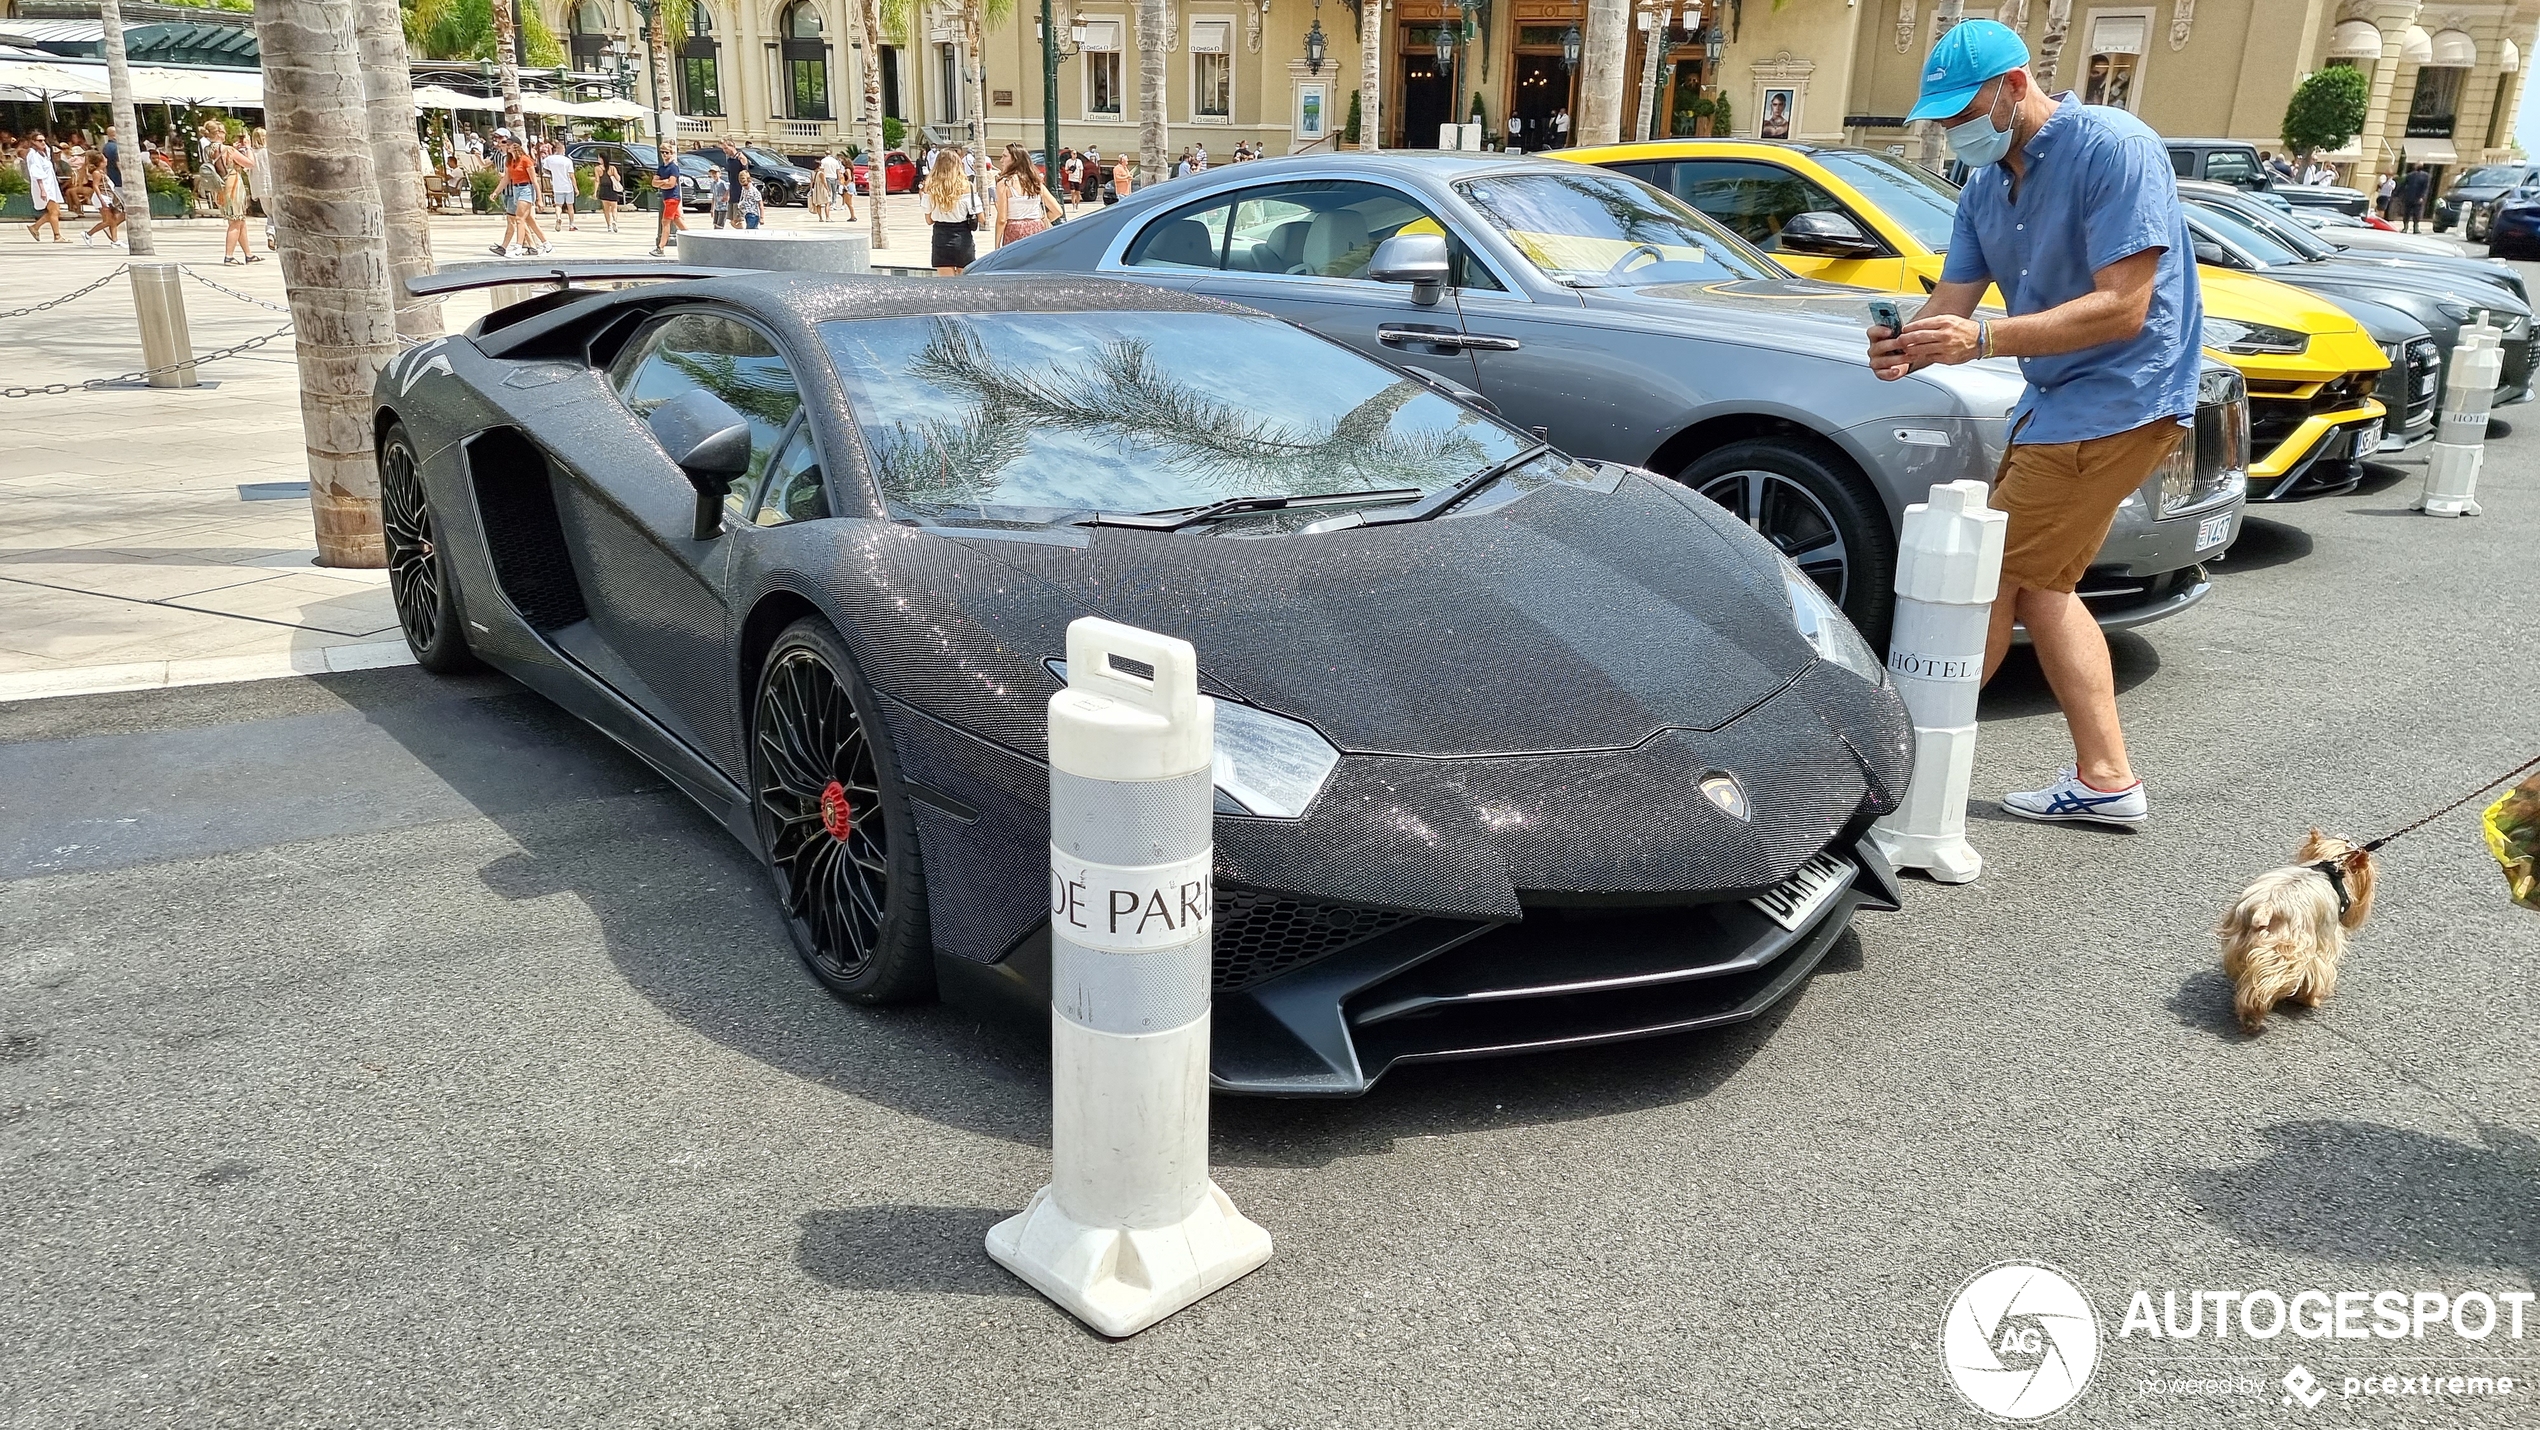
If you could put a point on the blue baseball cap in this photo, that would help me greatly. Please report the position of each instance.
(1973, 52)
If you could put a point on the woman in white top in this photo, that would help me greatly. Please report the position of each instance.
(260, 178)
(1024, 205)
(43, 189)
(952, 209)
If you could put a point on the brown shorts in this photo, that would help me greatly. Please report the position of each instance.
(2063, 497)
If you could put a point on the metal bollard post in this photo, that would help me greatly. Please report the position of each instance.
(1130, 1229)
(159, 300)
(1948, 565)
(2451, 473)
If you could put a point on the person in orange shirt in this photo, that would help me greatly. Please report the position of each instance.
(521, 234)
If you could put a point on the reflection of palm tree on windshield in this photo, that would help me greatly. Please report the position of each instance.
(1125, 399)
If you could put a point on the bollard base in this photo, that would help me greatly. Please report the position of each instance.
(1947, 858)
(2448, 506)
(1121, 1281)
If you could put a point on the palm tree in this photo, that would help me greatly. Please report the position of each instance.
(867, 17)
(388, 90)
(1944, 18)
(1655, 44)
(669, 18)
(507, 64)
(1600, 116)
(329, 224)
(1155, 27)
(2050, 45)
(1371, 75)
(482, 30)
(136, 169)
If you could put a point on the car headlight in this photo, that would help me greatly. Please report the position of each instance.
(2495, 316)
(1826, 628)
(1263, 764)
(2250, 339)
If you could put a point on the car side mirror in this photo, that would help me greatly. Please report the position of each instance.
(1821, 234)
(2209, 252)
(710, 443)
(1418, 259)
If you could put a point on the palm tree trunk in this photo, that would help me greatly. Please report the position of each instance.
(1600, 116)
(128, 156)
(1153, 132)
(665, 106)
(389, 104)
(2050, 45)
(507, 63)
(1371, 75)
(1945, 17)
(867, 16)
(334, 267)
(1653, 43)
(974, 80)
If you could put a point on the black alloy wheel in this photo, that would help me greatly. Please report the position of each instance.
(418, 570)
(834, 823)
(1816, 512)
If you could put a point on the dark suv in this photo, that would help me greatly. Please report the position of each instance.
(2235, 162)
(636, 163)
(2471, 201)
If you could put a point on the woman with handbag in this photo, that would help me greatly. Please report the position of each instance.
(231, 167)
(953, 211)
(1024, 204)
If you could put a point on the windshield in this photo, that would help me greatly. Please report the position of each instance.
(2247, 239)
(2285, 231)
(1914, 198)
(2492, 176)
(772, 161)
(1594, 229)
(1041, 418)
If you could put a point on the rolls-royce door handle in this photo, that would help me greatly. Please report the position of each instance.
(1489, 343)
(1403, 335)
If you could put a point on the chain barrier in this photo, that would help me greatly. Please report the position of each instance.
(120, 270)
(56, 389)
(232, 292)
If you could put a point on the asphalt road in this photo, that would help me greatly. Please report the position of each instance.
(383, 1049)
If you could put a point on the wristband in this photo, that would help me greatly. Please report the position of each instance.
(1984, 338)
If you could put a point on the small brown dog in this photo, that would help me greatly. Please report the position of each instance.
(2284, 937)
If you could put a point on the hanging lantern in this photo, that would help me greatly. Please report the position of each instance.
(1314, 46)
(1570, 45)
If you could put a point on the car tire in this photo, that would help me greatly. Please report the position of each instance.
(420, 582)
(822, 776)
(1810, 502)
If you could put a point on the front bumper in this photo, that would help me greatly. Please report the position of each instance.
(2323, 440)
(1565, 976)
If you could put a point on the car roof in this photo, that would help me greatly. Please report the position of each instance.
(1442, 165)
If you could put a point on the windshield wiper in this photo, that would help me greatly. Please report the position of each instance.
(1430, 506)
(1175, 518)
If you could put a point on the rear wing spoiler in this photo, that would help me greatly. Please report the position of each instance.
(471, 276)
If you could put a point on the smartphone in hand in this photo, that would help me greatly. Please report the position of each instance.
(1883, 314)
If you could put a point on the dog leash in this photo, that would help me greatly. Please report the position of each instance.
(2532, 763)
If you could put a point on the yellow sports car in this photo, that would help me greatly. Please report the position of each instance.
(1857, 217)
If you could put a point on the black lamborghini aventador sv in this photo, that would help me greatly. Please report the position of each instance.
(1513, 751)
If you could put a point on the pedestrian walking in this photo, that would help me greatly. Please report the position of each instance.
(734, 164)
(842, 185)
(1024, 204)
(1124, 175)
(747, 208)
(43, 187)
(560, 180)
(1090, 191)
(719, 198)
(823, 184)
(1071, 177)
(229, 167)
(1516, 134)
(521, 233)
(2412, 192)
(611, 189)
(109, 205)
(2073, 211)
(260, 179)
(2385, 193)
(666, 182)
(953, 211)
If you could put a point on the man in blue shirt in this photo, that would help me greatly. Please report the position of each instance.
(2072, 210)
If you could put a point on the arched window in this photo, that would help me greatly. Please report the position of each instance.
(806, 57)
(700, 92)
(588, 29)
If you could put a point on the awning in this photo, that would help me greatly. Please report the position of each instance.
(2418, 46)
(2428, 151)
(2512, 60)
(433, 96)
(2353, 153)
(2453, 49)
(2355, 40)
(46, 80)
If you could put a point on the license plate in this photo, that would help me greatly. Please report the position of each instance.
(2213, 531)
(2367, 438)
(1795, 900)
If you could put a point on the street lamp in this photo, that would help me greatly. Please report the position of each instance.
(1570, 46)
(1315, 44)
(1051, 54)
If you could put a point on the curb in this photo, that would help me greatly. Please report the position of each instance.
(212, 670)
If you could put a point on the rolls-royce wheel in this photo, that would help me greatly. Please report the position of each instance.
(833, 821)
(1817, 512)
(419, 581)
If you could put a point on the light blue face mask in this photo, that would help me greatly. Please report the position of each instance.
(1976, 142)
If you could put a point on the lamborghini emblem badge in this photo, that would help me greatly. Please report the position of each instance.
(1724, 791)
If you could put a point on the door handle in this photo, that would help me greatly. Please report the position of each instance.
(1485, 342)
(1405, 334)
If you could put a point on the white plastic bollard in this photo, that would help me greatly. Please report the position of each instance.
(1130, 1229)
(1948, 565)
(2460, 440)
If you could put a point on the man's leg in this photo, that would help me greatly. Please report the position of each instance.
(2073, 653)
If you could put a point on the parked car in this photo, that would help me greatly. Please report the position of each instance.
(1631, 328)
(2514, 230)
(2235, 162)
(2311, 242)
(1853, 216)
(1514, 751)
(2471, 200)
(2442, 298)
(638, 163)
(899, 174)
(780, 180)
(2367, 234)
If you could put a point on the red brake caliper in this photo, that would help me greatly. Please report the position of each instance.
(836, 815)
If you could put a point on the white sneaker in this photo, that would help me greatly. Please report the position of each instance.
(546, 248)
(2069, 800)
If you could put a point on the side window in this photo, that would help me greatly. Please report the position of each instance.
(2184, 160)
(2226, 167)
(695, 348)
(1189, 238)
(1752, 201)
(793, 491)
(1330, 228)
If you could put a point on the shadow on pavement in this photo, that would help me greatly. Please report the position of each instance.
(2019, 687)
(2327, 1190)
(688, 920)
(2261, 544)
(2203, 1000)
(926, 1250)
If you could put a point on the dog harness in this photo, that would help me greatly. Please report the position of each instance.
(2336, 880)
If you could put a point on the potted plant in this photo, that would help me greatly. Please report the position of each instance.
(1722, 122)
(1349, 131)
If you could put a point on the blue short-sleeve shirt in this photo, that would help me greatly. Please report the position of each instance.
(2100, 188)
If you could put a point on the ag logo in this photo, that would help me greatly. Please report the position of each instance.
(2020, 1341)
